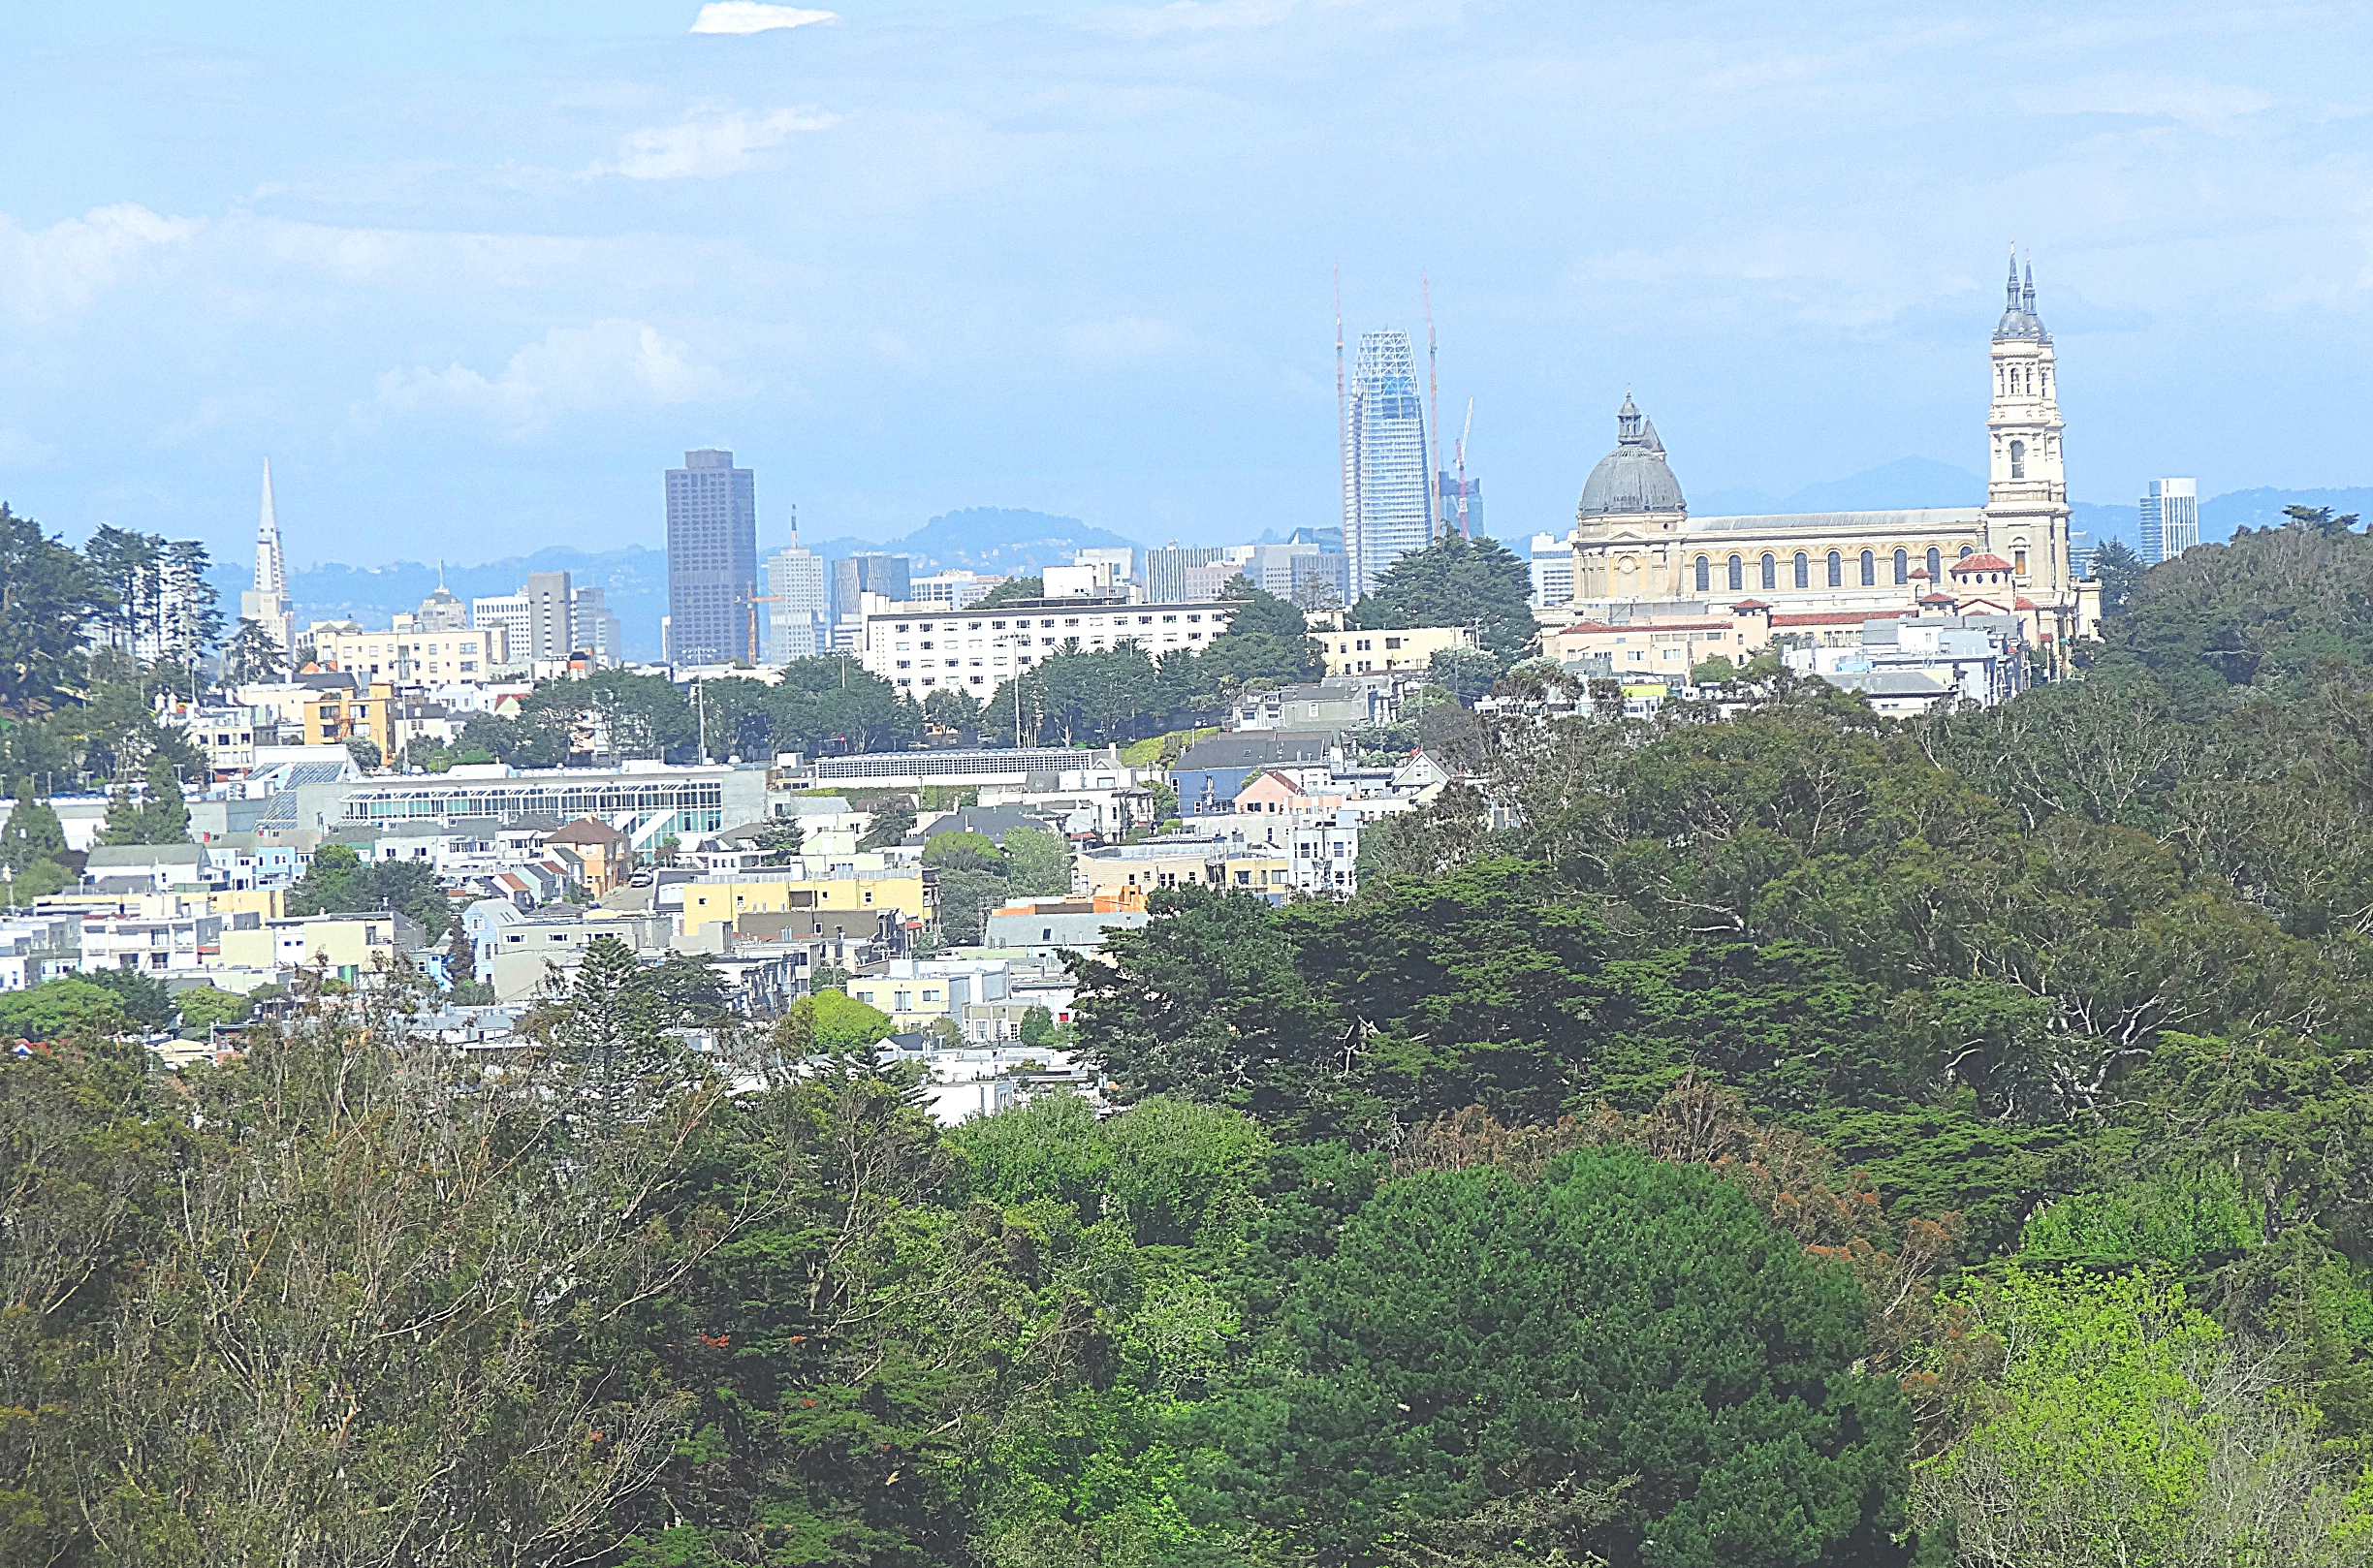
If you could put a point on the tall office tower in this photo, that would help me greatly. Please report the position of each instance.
(2171, 519)
(797, 617)
(599, 631)
(1460, 503)
(552, 616)
(1387, 511)
(1552, 566)
(1120, 563)
(885, 575)
(1166, 571)
(712, 560)
(266, 604)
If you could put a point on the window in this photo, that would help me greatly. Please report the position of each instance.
(2019, 459)
(1738, 573)
(1771, 570)
(1837, 570)
(1705, 575)
(1870, 568)
(1903, 567)
(1936, 564)
(2018, 561)
(1804, 570)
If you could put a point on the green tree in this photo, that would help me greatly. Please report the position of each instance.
(782, 838)
(143, 998)
(32, 833)
(1037, 1027)
(893, 820)
(1466, 673)
(1011, 591)
(203, 1006)
(1623, 1326)
(949, 708)
(56, 1009)
(51, 596)
(165, 818)
(366, 755)
(253, 654)
(1456, 582)
(2117, 569)
(833, 1021)
(1038, 863)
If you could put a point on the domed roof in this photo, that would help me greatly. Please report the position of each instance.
(1634, 478)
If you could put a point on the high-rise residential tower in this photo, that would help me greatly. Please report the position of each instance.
(799, 612)
(712, 560)
(1388, 511)
(2171, 519)
(266, 604)
(889, 576)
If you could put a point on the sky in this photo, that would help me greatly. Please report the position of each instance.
(473, 275)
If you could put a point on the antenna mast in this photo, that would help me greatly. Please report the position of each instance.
(1434, 516)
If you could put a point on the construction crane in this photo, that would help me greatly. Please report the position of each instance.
(1461, 458)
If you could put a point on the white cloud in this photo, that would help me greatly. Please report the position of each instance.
(750, 16)
(53, 271)
(710, 141)
(613, 364)
(1123, 337)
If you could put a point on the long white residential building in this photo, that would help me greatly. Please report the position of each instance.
(923, 647)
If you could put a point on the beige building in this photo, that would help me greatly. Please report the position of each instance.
(1133, 871)
(350, 945)
(410, 653)
(1634, 541)
(1666, 648)
(1360, 653)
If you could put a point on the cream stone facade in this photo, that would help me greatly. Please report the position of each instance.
(1634, 541)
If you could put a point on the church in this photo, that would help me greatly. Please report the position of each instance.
(1638, 552)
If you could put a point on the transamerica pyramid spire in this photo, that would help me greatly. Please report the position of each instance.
(271, 570)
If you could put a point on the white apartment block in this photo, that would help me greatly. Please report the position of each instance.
(921, 647)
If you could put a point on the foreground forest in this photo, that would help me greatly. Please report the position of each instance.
(1801, 1139)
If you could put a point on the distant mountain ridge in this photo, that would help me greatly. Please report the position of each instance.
(634, 580)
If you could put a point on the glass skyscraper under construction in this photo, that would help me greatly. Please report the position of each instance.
(1388, 508)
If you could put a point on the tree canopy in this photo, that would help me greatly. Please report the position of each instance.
(1456, 581)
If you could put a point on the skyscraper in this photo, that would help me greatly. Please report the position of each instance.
(266, 604)
(1388, 510)
(599, 631)
(712, 559)
(1166, 571)
(1461, 502)
(886, 575)
(2171, 519)
(552, 616)
(799, 608)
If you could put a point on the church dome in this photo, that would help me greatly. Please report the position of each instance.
(2019, 320)
(1634, 478)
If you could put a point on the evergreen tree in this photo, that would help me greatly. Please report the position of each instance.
(32, 833)
(893, 820)
(165, 818)
(123, 824)
(1456, 582)
(253, 654)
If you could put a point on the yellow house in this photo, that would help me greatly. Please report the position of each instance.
(863, 891)
(351, 945)
(1411, 647)
(265, 903)
(337, 717)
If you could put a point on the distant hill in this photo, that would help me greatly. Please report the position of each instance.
(1906, 481)
(634, 580)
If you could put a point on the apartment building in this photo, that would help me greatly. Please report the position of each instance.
(922, 647)
(411, 656)
(1360, 653)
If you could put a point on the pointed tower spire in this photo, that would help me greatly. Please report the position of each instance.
(271, 572)
(2011, 295)
(2027, 292)
(1627, 420)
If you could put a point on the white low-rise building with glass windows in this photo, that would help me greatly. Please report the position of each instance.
(923, 647)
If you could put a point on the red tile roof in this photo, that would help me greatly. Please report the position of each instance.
(1979, 563)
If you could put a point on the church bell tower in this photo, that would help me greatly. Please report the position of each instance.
(2027, 510)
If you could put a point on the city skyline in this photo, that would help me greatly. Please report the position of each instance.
(910, 260)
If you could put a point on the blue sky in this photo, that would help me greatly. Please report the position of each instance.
(473, 274)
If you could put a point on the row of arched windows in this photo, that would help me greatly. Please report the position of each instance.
(1767, 568)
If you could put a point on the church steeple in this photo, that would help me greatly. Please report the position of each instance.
(2027, 511)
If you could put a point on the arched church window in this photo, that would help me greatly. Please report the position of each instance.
(1936, 565)
(1738, 573)
(1870, 570)
(1705, 575)
(2018, 561)
(1837, 570)
(1804, 570)
(1903, 567)
(1771, 570)
(1966, 551)
(2019, 459)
